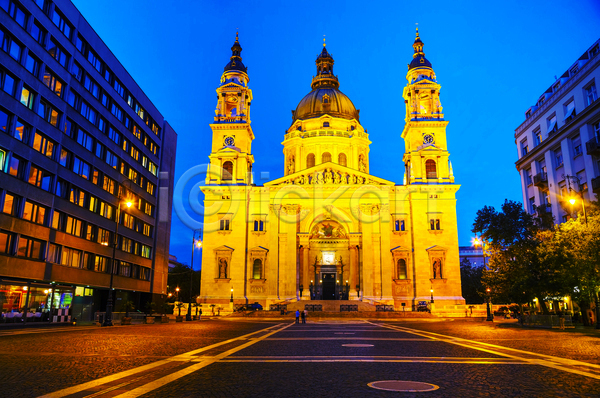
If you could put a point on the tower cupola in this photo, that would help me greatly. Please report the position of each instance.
(235, 62)
(419, 60)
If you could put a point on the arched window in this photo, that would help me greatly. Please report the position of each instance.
(326, 157)
(430, 169)
(401, 269)
(342, 159)
(325, 124)
(257, 269)
(227, 170)
(310, 160)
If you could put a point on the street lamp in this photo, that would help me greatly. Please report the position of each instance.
(231, 299)
(177, 292)
(432, 296)
(109, 302)
(489, 312)
(195, 243)
(572, 199)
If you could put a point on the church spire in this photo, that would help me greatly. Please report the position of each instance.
(235, 62)
(419, 60)
(325, 76)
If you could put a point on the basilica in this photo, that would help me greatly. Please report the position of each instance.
(330, 228)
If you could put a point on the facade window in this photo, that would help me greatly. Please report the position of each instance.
(531, 205)
(430, 169)
(34, 212)
(590, 94)
(16, 166)
(65, 158)
(227, 170)
(58, 53)
(100, 263)
(61, 23)
(551, 124)
(76, 70)
(71, 257)
(559, 158)
(38, 33)
(114, 135)
(94, 60)
(82, 168)
(73, 226)
(6, 240)
(146, 251)
(73, 98)
(106, 210)
(401, 272)
(32, 64)
(30, 248)
(524, 148)
(576, 142)
(119, 89)
(85, 140)
(310, 160)
(48, 113)
(10, 205)
(528, 114)
(224, 224)
(53, 255)
(147, 230)
(11, 47)
(108, 184)
(52, 82)
(77, 196)
(434, 224)
(326, 157)
(257, 269)
(145, 273)
(27, 97)
(342, 159)
(40, 178)
(399, 225)
(43, 145)
(325, 124)
(88, 112)
(116, 111)
(4, 121)
(150, 188)
(8, 82)
(125, 269)
(595, 126)
(582, 180)
(91, 86)
(569, 111)
(259, 225)
(103, 236)
(537, 138)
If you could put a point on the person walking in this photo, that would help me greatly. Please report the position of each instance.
(303, 316)
(297, 316)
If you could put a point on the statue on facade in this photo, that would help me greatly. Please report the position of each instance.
(437, 268)
(328, 176)
(336, 178)
(222, 268)
(291, 165)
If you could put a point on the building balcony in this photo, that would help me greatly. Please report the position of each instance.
(593, 147)
(596, 185)
(540, 180)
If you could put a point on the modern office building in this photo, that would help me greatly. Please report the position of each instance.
(86, 163)
(330, 228)
(558, 143)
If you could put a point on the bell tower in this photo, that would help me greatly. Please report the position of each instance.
(426, 156)
(231, 158)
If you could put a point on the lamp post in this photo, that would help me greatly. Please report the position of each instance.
(311, 289)
(198, 244)
(109, 302)
(489, 318)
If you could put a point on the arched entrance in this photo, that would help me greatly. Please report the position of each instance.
(330, 259)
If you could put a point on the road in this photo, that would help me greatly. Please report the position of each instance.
(277, 358)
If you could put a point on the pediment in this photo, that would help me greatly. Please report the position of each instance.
(259, 249)
(398, 249)
(230, 149)
(224, 249)
(436, 248)
(329, 174)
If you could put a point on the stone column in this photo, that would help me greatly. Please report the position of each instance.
(305, 280)
(353, 273)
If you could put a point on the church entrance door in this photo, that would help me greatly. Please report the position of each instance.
(329, 286)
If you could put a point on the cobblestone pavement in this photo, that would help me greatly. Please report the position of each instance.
(248, 358)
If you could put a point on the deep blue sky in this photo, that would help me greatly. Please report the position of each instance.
(493, 60)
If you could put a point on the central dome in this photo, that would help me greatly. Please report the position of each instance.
(325, 97)
(325, 101)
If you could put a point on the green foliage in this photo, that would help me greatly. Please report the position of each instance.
(150, 308)
(127, 306)
(179, 305)
(179, 276)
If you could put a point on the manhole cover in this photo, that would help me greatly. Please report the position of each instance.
(357, 345)
(403, 386)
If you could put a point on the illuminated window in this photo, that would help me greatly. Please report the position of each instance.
(342, 159)
(434, 224)
(34, 212)
(11, 204)
(310, 160)
(227, 170)
(430, 169)
(52, 82)
(257, 269)
(401, 271)
(29, 247)
(326, 157)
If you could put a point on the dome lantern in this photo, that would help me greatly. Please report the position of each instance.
(419, 59)
(235, 63)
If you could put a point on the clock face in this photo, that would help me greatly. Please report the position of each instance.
(229, 141)
(428, 139)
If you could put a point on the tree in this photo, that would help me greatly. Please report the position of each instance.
(576, 244)
(472, 288)
(516, 271)
(179, 276)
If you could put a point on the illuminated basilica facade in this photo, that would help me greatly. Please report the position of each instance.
(329, 228)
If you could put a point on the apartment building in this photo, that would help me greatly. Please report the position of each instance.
(86, 166)
(558, 143)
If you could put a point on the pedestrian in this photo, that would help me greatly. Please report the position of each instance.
(303, 316)
(200, 314)
(297, 316)
(561, 320)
